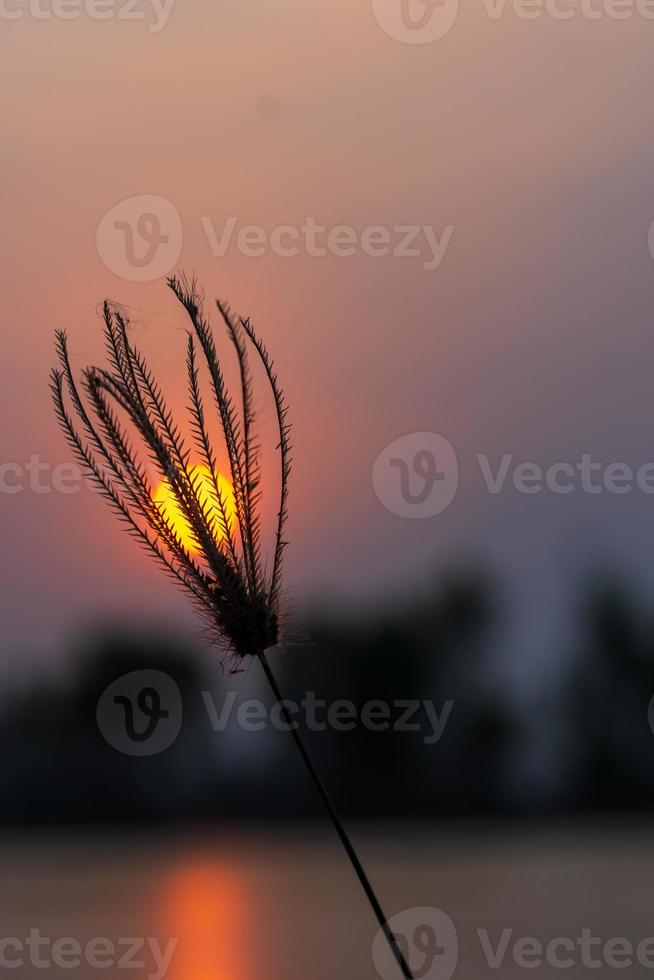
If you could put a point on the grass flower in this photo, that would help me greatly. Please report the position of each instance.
(216, 556)
(218, 560)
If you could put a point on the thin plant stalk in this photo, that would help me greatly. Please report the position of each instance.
(336, 820)
(223, 568)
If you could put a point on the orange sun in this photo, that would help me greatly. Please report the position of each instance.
(170, 509)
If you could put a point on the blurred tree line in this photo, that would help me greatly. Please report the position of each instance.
(57, 767)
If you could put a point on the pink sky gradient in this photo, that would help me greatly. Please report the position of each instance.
(533, 336)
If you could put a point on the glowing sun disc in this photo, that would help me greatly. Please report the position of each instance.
(172, 512)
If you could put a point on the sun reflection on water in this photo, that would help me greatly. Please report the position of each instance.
(209, 907)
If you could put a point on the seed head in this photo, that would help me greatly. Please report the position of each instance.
(223, 571)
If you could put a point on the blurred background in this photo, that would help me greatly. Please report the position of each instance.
(483, 177)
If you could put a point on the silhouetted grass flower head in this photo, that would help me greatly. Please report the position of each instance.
(222, 568)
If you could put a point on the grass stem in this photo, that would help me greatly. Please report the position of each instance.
(336, 820)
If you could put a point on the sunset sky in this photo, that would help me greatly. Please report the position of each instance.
(531, 336)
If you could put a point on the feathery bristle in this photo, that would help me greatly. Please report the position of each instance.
(224, 571)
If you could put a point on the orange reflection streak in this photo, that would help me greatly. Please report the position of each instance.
(211, 911)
